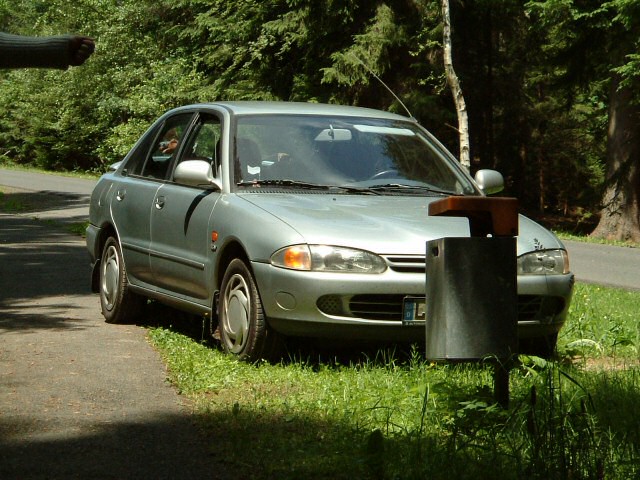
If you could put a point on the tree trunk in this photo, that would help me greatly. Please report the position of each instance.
(620, 214)
(456, 90)
(542, 184)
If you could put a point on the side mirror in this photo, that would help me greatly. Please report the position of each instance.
(114, 166)
(489, 181)
(196, 173)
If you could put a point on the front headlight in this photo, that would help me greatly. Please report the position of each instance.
(327, 258)
(544, 262)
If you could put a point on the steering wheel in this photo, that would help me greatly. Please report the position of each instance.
(392, 172)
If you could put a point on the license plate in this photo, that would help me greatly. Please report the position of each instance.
(413, 311)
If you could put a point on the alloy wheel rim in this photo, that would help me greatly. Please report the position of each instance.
(237, 314)
(110, 277)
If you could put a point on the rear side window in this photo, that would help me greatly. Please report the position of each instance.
(166, 146)
(139, 153)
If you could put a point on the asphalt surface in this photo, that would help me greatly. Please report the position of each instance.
(80, 398)
(605, 264)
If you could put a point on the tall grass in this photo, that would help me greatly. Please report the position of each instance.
(603, 323)
(392, 416)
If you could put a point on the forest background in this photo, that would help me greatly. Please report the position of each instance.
(551, 86)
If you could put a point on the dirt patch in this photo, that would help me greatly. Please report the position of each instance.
(608, 363)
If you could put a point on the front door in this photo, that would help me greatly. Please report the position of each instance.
(181, 254)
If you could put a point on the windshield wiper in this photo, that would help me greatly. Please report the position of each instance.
(310, 186)
(357, 190)
(283, 183)
(399, 187)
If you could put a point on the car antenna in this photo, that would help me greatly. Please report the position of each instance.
(383, 84)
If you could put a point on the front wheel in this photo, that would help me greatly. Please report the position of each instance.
(243, 328)
(119, 304)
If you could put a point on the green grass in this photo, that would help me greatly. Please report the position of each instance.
(79, 228)
(587, 239)
(603, 323)
(8, 205)
(394, 416)
(10, 165)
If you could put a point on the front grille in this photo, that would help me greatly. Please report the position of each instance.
(529, 306)
(370, 307)
(376, 307)
(406, 263)
(389, 307)
(533, 307)
(331, 305)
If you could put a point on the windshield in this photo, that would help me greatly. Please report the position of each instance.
(342, 152)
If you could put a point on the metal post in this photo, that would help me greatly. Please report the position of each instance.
(471, 295)
(501, 383)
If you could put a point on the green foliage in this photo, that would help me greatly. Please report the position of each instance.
(380, 35)
(534, 114)
(74, 119)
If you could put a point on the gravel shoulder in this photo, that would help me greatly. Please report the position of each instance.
(79, 398)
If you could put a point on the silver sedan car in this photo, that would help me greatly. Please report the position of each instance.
(279, 219)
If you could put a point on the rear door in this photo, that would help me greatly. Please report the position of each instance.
(134, 195)
(180, 236)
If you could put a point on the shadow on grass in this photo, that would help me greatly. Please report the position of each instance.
(463, 438)
(616, 405)
(310, 351)
(247, 443)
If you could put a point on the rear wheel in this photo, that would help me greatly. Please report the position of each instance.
(243, 328)
(119, 304)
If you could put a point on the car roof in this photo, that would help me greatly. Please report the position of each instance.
(296, 108)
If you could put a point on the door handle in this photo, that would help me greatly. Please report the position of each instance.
(120, 194)
(159, 203)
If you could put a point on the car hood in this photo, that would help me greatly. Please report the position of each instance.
(380, 224)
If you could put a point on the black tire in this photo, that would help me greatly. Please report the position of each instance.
(119, 304)
(243, 328)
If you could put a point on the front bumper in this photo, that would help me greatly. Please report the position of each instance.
(370, 306)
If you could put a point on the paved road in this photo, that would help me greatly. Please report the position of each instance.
(67, 198)
(46, 183)
(605, 265)
(79, 398)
